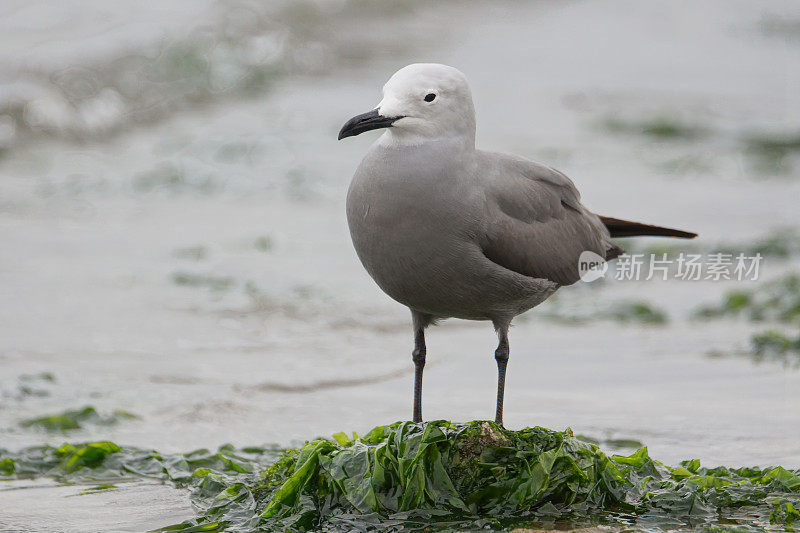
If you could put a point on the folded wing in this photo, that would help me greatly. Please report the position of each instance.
(536, 224)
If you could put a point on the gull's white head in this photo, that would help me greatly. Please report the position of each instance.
(421, 102)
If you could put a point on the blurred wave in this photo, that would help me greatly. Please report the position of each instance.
(90, 69)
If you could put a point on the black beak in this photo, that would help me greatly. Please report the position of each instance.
(365, 122)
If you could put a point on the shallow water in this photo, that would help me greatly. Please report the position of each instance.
(193, 266)
(48, 506)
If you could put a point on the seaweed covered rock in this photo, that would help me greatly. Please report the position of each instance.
(479, 474)
(436, 476)
(477, 469)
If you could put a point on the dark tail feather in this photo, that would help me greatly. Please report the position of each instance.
(624, 228)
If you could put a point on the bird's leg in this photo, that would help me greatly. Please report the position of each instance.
(501, 356)
(418, 355)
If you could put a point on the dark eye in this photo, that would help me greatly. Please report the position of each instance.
(429, 97)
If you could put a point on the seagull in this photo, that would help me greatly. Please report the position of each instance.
(454, 232)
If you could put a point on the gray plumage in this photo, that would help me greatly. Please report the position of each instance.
(468, 234)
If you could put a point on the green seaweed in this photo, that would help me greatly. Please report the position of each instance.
(30, 385)
(768, 151)
(775, 345)
(638, 312)
(784, 27)
(775, 300)
(634, 311)
(663, 127)
(214, 283)
(191, 253)
(771, 151)
(771, 346)
(76, 419)
(623, 443)
(7, 466)
(41, 376)
(264, 243)
(435, 476)
(781, 243)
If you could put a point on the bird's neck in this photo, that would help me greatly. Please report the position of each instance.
(425, 157)
(398, 138)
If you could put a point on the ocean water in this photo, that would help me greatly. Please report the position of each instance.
(173, 240)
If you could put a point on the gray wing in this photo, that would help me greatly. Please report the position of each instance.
(536, 224)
